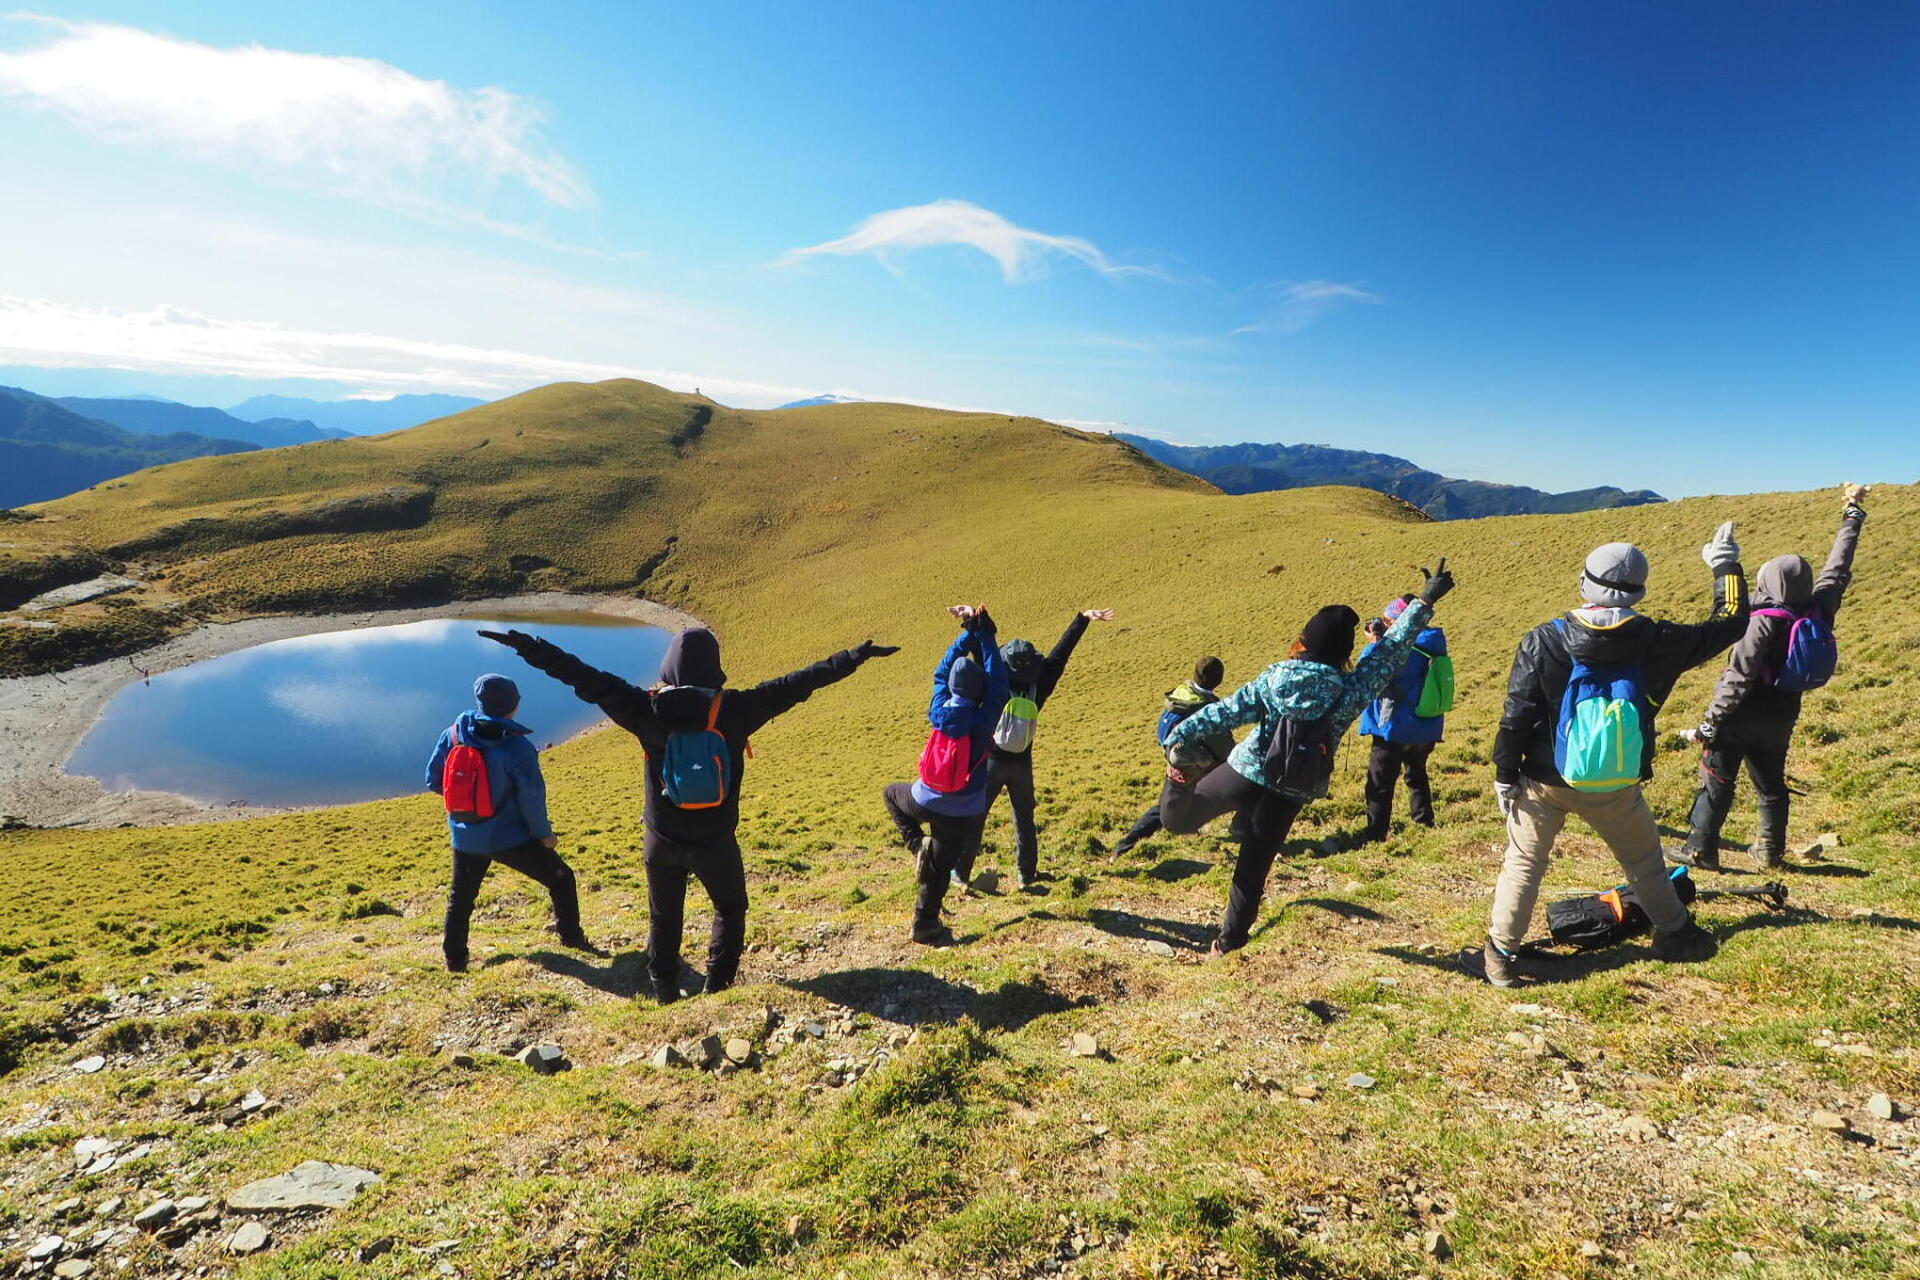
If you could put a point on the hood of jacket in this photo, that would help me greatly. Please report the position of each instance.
(488, 733)
(1189, 697)
(1606, 637)
(684, 705)
(1785, 581)
(693, 659)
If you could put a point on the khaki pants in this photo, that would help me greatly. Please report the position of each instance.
(1621, 818)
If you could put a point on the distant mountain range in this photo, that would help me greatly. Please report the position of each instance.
(810, 401)
(1260, 468)
(355, 417)
(47, 450)
(152, 416)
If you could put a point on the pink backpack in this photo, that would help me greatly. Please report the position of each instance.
(946, 763)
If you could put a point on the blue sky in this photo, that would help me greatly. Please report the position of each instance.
(1570, 244)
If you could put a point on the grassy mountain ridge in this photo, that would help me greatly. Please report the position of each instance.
(1258, 468)
(1665, 1122)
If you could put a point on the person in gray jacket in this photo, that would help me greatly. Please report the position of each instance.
(1751, 718)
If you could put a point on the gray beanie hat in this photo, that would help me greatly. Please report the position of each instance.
(967, 679)
(496, 694)
(1615, 576)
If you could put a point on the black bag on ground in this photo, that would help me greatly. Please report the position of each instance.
(1594, 920)
(1299, 760)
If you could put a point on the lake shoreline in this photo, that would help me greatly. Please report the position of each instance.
(44, 718)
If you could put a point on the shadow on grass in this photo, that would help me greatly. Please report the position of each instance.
(1339, 907)
(624, 976)
(1125, 924)
(912, 995)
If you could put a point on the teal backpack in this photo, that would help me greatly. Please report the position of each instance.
(1600, 742)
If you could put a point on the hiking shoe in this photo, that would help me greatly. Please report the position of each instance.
(1767, 858)
(1688, 945)
(958, 881)
(1216, 949)
(1500, 968)
(1700, 859)
(937, 936)
(456, 963)
(577, 941)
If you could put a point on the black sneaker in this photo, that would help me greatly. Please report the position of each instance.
(1688, 945)
(576, 940)
(456, 963)
(938, 936)
(1699, 859)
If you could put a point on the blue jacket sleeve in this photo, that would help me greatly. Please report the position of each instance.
(530, 791)
(1381, 663)
(1243, 706)
(437, 763)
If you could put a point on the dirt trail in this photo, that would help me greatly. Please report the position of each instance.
(43, 718)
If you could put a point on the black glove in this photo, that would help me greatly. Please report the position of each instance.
(532, 648)
(1439, 582)
(868, 649)
(981, 622)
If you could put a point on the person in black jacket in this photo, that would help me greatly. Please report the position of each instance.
(1604, 633)
(1750, 720)
(690, 842)
(1010, 766)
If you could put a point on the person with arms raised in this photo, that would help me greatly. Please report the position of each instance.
(942, 812)
(1301, 706)
(694, 730)
(1577, 737)
(487, 770)
(1787, 651)
(1031, 680)
(1406, 722)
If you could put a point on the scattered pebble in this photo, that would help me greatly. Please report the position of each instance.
(250, 1237)
(1361, 1080)
(667, 1056)
(1436, 1245)
(1882, 1107)
(87, 1066)
(1083, 1045)
(545, 1059)
(1156, 947)
(158, 1214)
(1831, 1121)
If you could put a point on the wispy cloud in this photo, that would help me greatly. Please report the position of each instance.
(350, 126)
(1299, 305)
(1022, 253)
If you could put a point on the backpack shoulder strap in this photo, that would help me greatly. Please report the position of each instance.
(713, 712)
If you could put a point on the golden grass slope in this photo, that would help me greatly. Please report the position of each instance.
(1666, 1123)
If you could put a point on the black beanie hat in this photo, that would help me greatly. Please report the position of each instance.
(1328, 636)
(1209, 672)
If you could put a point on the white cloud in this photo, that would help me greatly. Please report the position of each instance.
(351, 126)
(1299, 305)
(1021, 253)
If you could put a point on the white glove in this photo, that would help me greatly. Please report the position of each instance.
(1505, 794)
(1723, 552)
(1689, 735)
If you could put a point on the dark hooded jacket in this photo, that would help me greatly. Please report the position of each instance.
(1034, 676)
(690, 678)
(1604, 637)
(1747, 708)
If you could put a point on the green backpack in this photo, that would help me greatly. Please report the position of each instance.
(1436, 691)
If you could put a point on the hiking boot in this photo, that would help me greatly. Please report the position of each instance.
(576, 940)
(1498, 967)
(1689, 944)
(1689, 855)
(456, 962)
(936, 936)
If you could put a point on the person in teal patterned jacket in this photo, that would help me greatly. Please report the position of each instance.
(1311, 684)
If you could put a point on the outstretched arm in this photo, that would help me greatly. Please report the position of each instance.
(1243, 706)
(1700, 642)
(1382, 661)
(781, 694)
(1055, 664)
(1837, 576)
(625, 705)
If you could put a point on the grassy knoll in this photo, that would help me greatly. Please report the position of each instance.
(1658, 1126)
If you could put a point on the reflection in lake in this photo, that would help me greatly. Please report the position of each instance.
(341, 716)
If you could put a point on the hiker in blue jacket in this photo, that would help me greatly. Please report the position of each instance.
(518, 834)
(697, 841)
(1311, 689)
(1402, 739)
(941, 824)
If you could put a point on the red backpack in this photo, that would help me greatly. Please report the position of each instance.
(946, 763)
(464, 783)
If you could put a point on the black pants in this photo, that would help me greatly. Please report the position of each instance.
(944, 841)
(1014, 775)
(1720, 775)
(535, 861)
(719, 869)
(1383, 772)
(1262, 820)
(1145, 828)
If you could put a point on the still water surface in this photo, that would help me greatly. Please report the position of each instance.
(344, 715)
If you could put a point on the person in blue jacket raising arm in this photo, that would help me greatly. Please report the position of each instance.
(1301, 706)
(1406, 722)
(942, 812)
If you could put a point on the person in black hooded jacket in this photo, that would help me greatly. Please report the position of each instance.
(679, 842)
(1011, 770)
(1750, 721)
